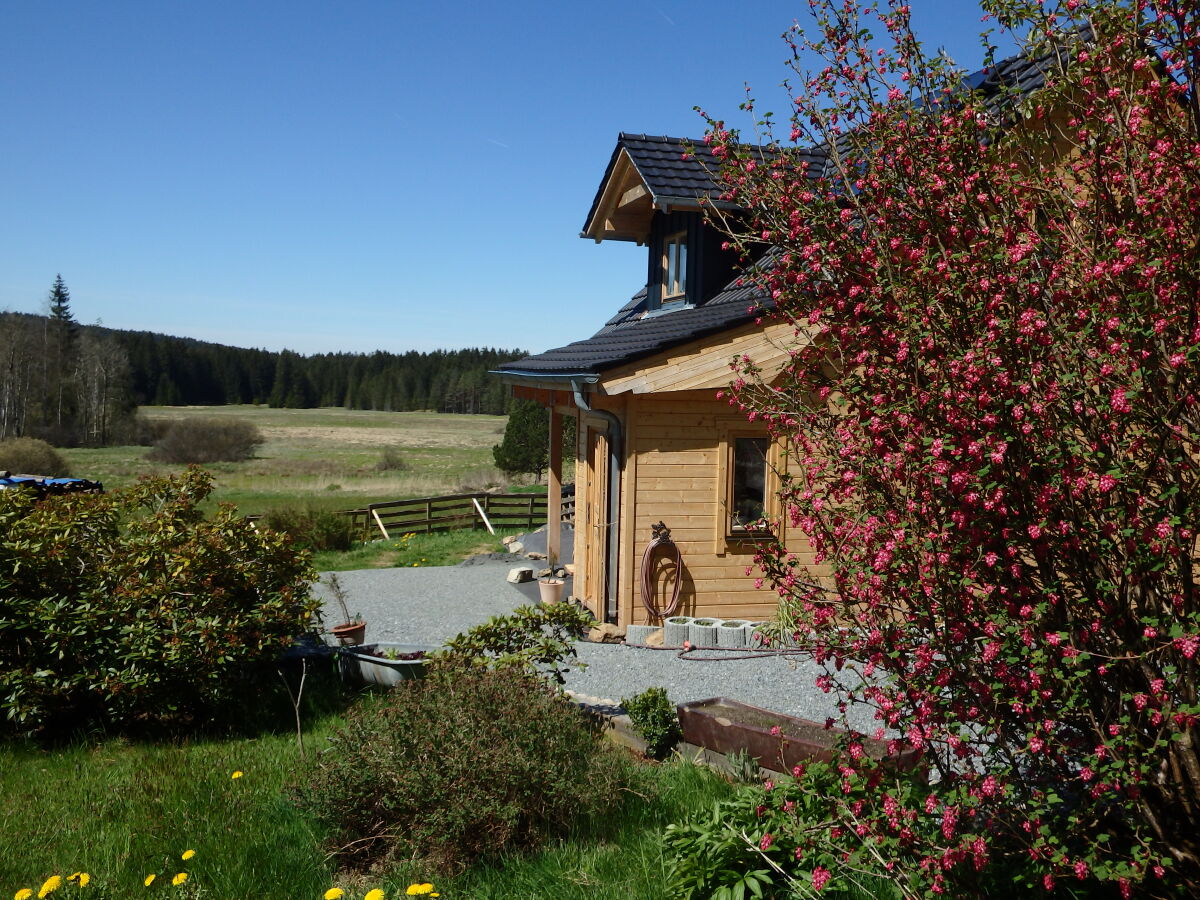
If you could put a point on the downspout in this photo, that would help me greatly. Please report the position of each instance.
(614, 499)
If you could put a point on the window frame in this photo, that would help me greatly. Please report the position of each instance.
(673, 267)
(725, 535)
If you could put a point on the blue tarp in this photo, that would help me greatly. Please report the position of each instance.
(50, 485)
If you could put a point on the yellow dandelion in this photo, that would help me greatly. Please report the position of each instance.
(53, 883)
(179, 879)
(376, 894)
(420, 890)
(334, 894)
(188, 854)
(81, 878)
(23, 894)
(238, 774)
(149, 879)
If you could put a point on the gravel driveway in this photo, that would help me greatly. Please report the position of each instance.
(430, 605)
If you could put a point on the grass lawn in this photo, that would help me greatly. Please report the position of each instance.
(124, 810)
(327, 458)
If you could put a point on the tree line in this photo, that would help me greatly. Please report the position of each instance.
(80, 384)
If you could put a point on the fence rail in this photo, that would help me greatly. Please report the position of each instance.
(428, 514)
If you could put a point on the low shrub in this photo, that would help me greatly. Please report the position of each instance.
(391, 461)
(130, 609)
(759, 843)
(467, 764)
(538, 638)
(653, 717)
(30, 456)
(312, 529)
(206, 441)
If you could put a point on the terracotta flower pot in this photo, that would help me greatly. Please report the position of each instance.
(350, 633)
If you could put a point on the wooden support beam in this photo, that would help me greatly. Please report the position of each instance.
(554, 491)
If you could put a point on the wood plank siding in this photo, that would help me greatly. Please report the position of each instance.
(674, 473)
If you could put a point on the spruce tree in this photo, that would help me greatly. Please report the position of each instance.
(526, 444)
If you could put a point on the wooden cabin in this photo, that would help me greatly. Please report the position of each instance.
(656, 444)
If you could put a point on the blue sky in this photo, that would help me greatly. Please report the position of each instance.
(356, 175)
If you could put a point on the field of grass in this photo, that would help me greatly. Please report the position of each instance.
(326, 458)
(121, 811)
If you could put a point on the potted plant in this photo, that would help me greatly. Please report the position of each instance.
(352, 630)
(551, 589)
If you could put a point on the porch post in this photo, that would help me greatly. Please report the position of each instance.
(554, 490)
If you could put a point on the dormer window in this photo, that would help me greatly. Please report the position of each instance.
(674, 266)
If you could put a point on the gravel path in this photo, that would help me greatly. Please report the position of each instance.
(430, 605)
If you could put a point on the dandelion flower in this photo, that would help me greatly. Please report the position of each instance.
(149, 879)
(375, 894)
(53, 883)
(188, 854)
(238, 774)
(23, 894)
(81, 878)
(334, 894)
(179, 879)
(420, 890)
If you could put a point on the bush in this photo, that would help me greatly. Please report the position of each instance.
(391, 461)
(206, 441)
(130, 609)
(467, 764)
(748, 845)
(30, 456)
(312, 529)
(538, 638)
(655, 719)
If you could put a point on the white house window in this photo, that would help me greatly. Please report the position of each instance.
(674, 266)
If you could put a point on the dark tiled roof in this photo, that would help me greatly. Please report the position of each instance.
(630, 334)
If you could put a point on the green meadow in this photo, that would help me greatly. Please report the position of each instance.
(327, 458)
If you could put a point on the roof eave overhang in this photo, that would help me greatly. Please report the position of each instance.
(556, 381)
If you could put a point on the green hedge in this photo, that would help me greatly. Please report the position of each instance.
(133, 609)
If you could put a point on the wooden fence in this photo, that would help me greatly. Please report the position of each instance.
(499, 511)
(427, 514)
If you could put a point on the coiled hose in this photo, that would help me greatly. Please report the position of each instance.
(661, 538)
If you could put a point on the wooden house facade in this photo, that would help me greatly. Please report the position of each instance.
(656, 443)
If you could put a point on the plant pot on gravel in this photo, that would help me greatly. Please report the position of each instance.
(731, 634)
(703, 632)
(353, 629)
(640, 634)
(350, 633)
(551, 589)
(675, 630)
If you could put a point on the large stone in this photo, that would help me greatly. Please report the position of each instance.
(607, 633)
(533, 554)
(520, 574)
(516, 547)
(508, 539)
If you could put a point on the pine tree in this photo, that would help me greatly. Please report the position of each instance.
(62, 356)
(526, 444)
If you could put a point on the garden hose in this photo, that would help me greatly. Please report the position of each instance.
(661, 538)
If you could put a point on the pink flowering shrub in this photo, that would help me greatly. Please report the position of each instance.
(991, 419)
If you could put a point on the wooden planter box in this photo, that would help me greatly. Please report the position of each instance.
(728, 726)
